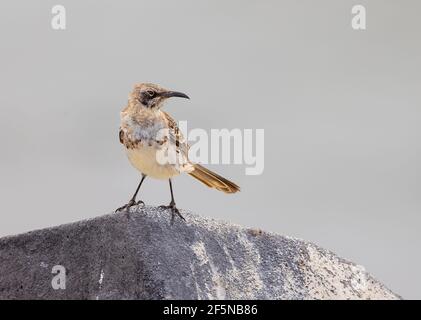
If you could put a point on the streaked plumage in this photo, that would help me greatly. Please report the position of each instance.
(151, 136)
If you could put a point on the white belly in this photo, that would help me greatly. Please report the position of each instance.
(144, 159)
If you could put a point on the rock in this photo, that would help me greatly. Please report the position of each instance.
(140, 255)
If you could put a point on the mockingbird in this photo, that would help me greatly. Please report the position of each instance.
(156, 147)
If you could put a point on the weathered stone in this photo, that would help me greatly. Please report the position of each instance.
(140, 255)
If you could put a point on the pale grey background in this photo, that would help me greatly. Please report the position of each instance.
(340, 109)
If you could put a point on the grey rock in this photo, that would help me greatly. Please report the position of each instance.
(141, 255)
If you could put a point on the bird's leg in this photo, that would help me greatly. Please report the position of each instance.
(171, 206)
(132, 201)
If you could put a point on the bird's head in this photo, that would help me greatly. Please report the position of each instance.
(152, 96)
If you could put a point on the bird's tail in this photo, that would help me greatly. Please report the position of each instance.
(213, 180)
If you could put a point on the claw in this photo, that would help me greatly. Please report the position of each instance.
(127, 206)
(174, 211)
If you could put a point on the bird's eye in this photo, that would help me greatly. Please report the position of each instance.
(151, 93)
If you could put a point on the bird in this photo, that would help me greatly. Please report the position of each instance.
(156, 147)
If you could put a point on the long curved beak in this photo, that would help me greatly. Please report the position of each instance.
(169, 94)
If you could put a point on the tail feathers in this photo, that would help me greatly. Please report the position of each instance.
(213, 180)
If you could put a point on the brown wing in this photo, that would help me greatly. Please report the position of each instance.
(124, 139)
(176, 137)
(121, 136)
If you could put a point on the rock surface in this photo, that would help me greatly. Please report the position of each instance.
(140, 255)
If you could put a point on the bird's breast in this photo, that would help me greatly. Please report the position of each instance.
(149, 148)
(146, 159)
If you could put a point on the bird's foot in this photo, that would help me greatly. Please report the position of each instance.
(127, 206)
(174, 211)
